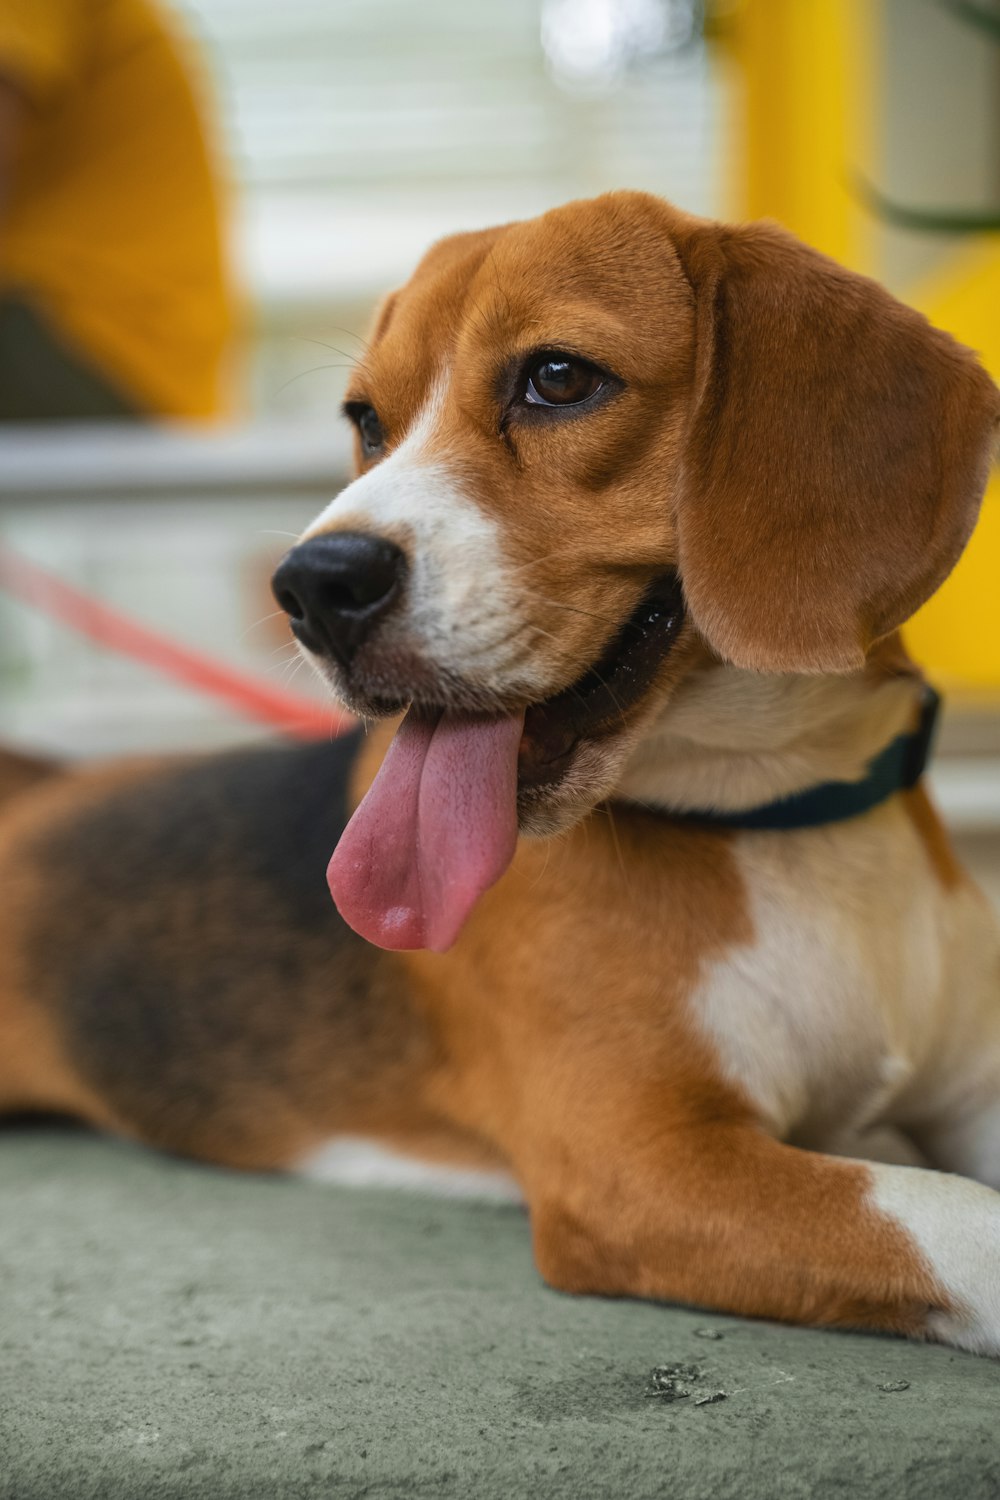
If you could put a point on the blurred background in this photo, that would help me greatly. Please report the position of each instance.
(202, 200)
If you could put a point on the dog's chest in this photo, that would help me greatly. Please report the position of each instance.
(834, 1005)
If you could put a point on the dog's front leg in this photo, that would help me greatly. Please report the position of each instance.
(726, 1217)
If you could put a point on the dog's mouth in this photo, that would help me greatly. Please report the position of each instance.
(440, 821)
(598, 704)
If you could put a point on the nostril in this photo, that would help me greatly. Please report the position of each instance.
(290, 603)
(358, 591)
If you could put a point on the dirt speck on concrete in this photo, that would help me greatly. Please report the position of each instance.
(669, 1390)
(671, 1382)
(676, 1372)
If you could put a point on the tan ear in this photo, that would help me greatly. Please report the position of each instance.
(837, 453)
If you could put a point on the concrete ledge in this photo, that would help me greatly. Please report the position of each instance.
(67, 460)
(172, 1331)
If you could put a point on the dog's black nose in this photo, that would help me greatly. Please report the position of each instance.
(334, 588)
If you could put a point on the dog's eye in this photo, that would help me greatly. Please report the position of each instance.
(365, 419)
(370, 428)
(557, 380)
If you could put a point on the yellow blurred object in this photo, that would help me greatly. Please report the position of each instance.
(957, 634)
(112, 224)
(803, 118)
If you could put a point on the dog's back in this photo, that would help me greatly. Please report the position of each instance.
(19, 773)
(171, 932)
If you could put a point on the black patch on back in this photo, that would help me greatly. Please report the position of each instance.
(194, 958)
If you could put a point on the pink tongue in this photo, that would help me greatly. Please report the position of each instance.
(437, 828)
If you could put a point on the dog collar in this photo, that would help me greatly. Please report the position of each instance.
(896, 768)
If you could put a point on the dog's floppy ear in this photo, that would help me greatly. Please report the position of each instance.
(837, 452)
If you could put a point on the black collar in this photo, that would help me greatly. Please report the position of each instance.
(895, 769)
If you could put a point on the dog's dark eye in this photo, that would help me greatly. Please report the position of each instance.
(557, 380)
(365, 419)
(370, 428)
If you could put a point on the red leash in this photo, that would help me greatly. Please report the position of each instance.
(298, 717)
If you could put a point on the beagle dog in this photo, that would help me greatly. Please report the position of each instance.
(642, 905)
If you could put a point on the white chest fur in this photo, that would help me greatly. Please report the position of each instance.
(841, 1011)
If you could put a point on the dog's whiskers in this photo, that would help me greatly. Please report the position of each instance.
(608, 811)
(538, 562)
(339, 328)
(334, 348)
(290, 669)
(491, 647)
(262, 621)
(576, 610)
(316, 369)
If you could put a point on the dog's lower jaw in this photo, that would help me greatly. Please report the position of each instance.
(592, 777)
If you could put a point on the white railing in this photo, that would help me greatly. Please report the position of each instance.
(181, 530)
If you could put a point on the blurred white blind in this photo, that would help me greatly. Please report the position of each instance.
(360, 130)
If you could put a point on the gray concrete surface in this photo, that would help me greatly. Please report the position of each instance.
(173, 1331)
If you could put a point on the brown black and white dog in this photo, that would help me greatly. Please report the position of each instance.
(652, 913)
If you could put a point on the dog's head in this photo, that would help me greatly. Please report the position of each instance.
(594, 444)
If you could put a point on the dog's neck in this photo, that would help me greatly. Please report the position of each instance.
(730, 740)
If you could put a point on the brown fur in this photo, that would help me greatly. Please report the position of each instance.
(158, 979)
(19, 772)
(817, 514)
(934, 838)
